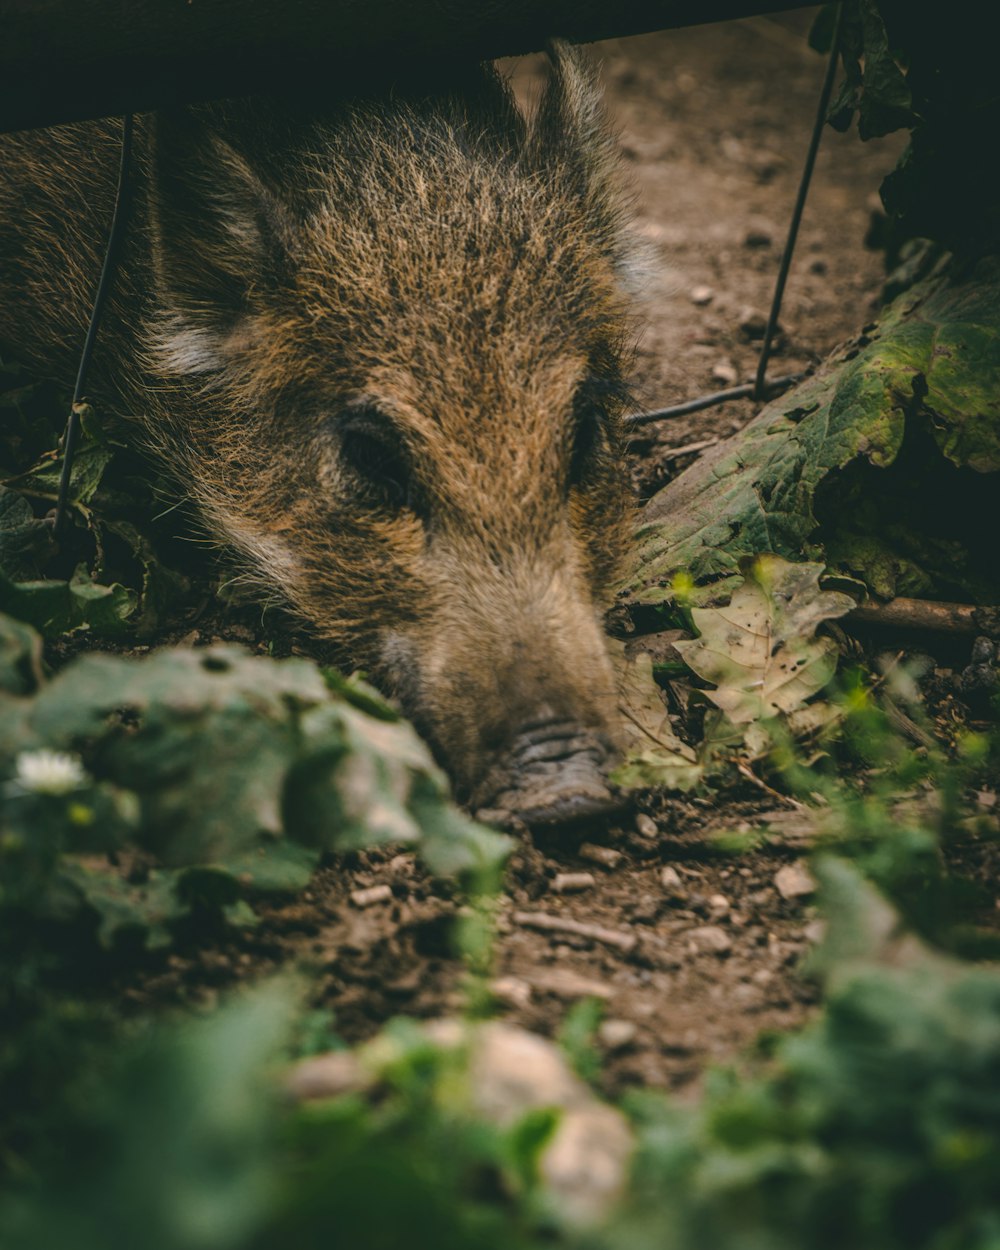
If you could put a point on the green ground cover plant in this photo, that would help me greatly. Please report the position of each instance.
(150, 797)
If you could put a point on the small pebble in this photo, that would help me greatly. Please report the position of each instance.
(374, 894)
(757, 237)
(573, 882)
(819, 265)
(702, 295)
(725, 372)
(753, 324)
(606, 856)
(616, 1034)
(646, 826)
(645, 910)
(718, 904)
(511, 991)
(709, 937)
(671, 881)
(815, 931)
(794, 881)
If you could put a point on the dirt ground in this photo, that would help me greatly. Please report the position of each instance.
(693, 953)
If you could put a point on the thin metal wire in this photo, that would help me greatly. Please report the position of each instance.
(761, 388)
(760, 385)
(774, 387)
(108, 269)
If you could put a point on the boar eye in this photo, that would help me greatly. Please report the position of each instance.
(378, 461)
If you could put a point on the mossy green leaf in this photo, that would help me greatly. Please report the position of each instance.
(929, 370)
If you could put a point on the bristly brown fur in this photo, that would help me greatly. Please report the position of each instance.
(432, 261)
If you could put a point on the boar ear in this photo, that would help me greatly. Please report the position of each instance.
(572, 127)
(218, 236)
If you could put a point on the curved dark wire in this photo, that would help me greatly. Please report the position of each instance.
(761, 388)
(72, 435)
(774, 387)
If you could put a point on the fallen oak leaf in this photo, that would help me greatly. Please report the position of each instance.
(760, 651)
(655, 756)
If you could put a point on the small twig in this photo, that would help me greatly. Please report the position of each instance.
(906, 725)
(744, 769)
(547, 923)
(675, 453)
(774, 387)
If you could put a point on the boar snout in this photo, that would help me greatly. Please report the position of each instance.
(553, 773)
(516, 692)
(382, 343)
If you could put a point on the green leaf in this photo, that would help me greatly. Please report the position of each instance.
(177, 1149)
(90, 464)
(162, 587)
(62, 607)
(25, 541)
(885, 101)
(20, 659)
(274, 867)
(141, 911)
(219, 731)
(228, 752)
(927, 371)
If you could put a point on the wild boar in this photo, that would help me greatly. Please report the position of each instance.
(382, 343)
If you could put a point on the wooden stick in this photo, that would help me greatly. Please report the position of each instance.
(942, 618)
(547, 923)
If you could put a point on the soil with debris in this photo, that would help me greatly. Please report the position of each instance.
(694, 953)
(715, 122)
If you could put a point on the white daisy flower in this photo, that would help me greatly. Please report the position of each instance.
(49, 772)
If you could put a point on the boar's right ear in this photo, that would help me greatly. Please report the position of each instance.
(572, 130)
(218, 237)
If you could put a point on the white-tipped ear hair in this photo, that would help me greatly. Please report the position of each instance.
(573, 123)
(218, 234)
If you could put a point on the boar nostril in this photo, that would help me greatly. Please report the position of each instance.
(556, 741)
(553, 774)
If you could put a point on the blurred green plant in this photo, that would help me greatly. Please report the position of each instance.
(125, 567)
(231, 774)
(877, 1128)
(900, 805)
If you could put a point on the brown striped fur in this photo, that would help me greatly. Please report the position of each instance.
(381, 343)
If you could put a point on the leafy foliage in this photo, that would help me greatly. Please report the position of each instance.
(931, 71)
(875, 86)
(760, 651)
(121, 569)
(878, 1127)
(899, 810)
(231, 772)
(920, 385)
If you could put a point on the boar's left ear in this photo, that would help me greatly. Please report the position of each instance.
(572, 128)
(218, 236)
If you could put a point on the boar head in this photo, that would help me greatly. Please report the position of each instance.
(392, 342)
